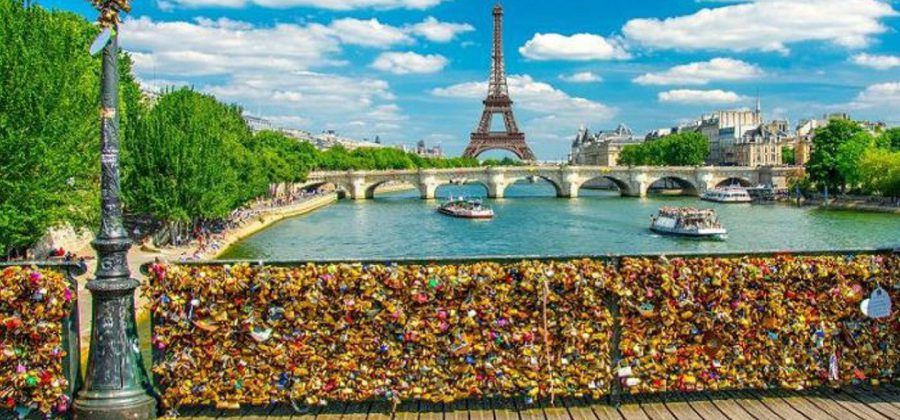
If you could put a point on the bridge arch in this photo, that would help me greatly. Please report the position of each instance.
(623, 186)
(687, 186)
(743, 182)
(373, 187)
(343, 190)
(557, 188)
(454, 183)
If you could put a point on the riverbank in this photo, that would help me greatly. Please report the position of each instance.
(851, 204)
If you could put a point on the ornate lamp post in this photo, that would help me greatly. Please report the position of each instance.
(116, 384)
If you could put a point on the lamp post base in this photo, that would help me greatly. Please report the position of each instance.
(114, 405)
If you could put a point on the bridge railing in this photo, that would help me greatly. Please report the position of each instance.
(40, 346)
(235, 332)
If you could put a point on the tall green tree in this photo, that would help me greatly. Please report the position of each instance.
(879, 172)
(49, 125)
(188, 160)
(823, 165)
(849, 155)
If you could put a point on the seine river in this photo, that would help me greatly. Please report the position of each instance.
(530, 221)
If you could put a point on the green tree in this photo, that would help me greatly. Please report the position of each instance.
(189, 161)
(788, 156)
(49, 125)
(848, 157)
(890, 139)
(823, 161)
(681, 149)
(879, 172)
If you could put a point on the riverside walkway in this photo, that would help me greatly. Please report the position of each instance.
(847, 403)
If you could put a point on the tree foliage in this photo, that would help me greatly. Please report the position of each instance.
(846, 157)
(49, 125)
(823, 161)
(879, 172)
(339, 158)
(188, 160)
(681, 149)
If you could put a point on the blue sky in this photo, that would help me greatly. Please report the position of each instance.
(416, 69)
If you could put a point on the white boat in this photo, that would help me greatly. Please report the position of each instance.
(727, 195)
(684, 221)
(466, 209)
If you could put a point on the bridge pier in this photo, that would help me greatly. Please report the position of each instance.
(568, 190)
(496, 190)
(428, 191)
(358, 188)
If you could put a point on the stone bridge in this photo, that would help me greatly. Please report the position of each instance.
(567, 180)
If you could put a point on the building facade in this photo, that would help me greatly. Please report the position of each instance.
(725, 129)
(602, 148)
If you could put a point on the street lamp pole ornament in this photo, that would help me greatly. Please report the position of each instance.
(116, 385)
(110, 11)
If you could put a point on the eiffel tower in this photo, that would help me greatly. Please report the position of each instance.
(498, 102)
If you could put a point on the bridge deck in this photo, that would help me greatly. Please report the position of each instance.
(860, 403)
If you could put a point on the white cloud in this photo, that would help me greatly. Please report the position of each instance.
(878, 62)
(581, 77)
(248, 70)
(700, 97)
(553, 111)
(207, 47)
(766, 25)
(701, 73)
(409, 62)
(369, 33)
(578, 47)
(437, 31)
(883, 96)
(322, 4)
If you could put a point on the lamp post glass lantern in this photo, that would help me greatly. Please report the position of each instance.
(116, 385)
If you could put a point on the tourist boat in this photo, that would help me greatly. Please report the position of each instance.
(466, 209)
(727, 195)
(762, 194)
(685, 221)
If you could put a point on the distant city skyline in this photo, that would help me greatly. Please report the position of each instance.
(406, 70)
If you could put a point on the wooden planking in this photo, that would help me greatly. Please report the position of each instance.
(480, 409)
(731, 408)
(456, 411)
(801, 405)
(679, 407)
(332, 411)
(357, 411)
(604, 411)
(408, 410)
(554, 409)
(778, 405)
(281, 411)
(861, 403)
(653, 406)
(877, 404)
(257, 412)
(826, 404)
(380, 410)
(578, 409)
(702, 406)
(630, 409)
(851, 404)
(431, 411)
(752, 405)
(885, 393)
(532, 411)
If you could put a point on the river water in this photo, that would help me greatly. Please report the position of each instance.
(531, 221)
